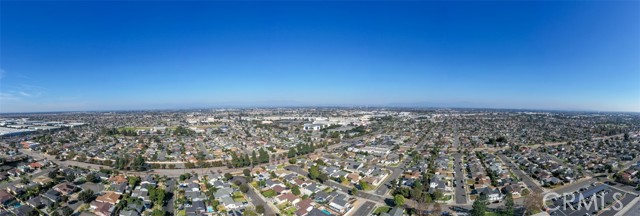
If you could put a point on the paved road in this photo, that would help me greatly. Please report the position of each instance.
(461, 197)
(395, 173)
(633, 211)
(365, 209)
(170, 188)
(161, 172)
(256, 199)
(522, 175)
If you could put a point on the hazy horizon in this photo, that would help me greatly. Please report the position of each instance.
(92, 56)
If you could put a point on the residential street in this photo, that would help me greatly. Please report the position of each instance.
(522, 175)
(365, 209)
(461, 193)
(257, 199)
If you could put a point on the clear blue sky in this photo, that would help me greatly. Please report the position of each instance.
(114, 55)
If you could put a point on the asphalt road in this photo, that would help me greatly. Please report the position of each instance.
(365, 209)
(634, 210)
(170, 188)
(521, 174)
(575, 186)
(605, 201)
(461, 197)
(257, 200)
(395, 173)
(161, 172)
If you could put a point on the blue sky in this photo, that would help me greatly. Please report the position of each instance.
(58, 56)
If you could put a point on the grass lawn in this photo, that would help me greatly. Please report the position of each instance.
(269, 193)
(445, 198)
(328, 190)
(382, 209)
(239, 199)
(282, 206)
(290, 211)
(182, 212)
(491, 214)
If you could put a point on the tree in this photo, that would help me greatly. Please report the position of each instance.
(479, 206)
(364, 185)
(157, 195)
(249, 212)
(91, 178)
(133, 181)
(260, 209)
(263, 156)
(323, 177)
(66, 211)
(24, 180)
(354, 191)
(398, 200)
(254, 158)
(246, 172)
(158, 212)
(70, 177)
(86, 196)
(295, 190)
(626, 136)
(438, 195)
(508, 205)
(244, 188)
(314, 172)
(228, 176)
(533, 203)
(293, 161)
(52, 174)
(138, 163)
(292, 153)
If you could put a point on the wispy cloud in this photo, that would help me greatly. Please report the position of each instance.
(7, 96)
(25, 94)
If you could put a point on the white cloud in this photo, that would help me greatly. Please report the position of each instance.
(24, 94)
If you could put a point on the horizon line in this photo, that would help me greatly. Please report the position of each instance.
(321, 106)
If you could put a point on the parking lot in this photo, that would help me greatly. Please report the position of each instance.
(590, 200)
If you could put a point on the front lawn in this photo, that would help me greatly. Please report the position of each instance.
(491, 214)
(381, 209)
(290, 211)
(445, 198)
(269, 193)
